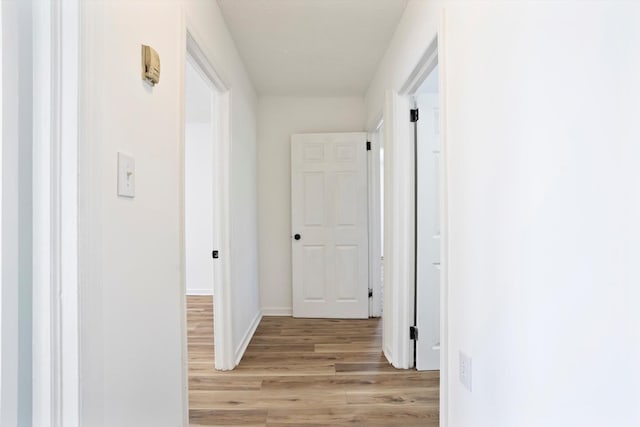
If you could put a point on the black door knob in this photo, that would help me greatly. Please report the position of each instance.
(297, 237)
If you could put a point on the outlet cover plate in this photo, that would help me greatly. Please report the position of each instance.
(465, 370)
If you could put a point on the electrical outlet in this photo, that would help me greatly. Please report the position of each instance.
(465, 370)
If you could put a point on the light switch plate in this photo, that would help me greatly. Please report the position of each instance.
(126, 176)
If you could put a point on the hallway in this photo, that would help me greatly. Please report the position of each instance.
(305, 372)
(528, 257)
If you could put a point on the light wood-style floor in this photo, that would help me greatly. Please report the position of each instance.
(302, 372)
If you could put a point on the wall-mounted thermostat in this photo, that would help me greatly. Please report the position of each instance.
(150, 65)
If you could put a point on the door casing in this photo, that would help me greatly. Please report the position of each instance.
(399, 238)
(223, 347)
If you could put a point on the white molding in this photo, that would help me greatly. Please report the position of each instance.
(375, 123)
(56, 325)
(183, 284)
(423, 68)
(199, 292)
(246, 338)
(432, 57)
(445, 373)
(386, 350)
(373, 181)
(9, 215)
(3, 416)
(201, 59)
(388, 323)
(277, 311)
(45, 187)
(68, 299)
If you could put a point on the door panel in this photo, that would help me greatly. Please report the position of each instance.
(314, 198)
(314, 268)
(347, 272)
(329, 212)
(428, 234)
(346, 204)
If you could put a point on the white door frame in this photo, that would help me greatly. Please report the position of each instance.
(56, 127)
(427, 354)
(194, 47)
(9, 217)
(373, 180)
(399, 219)
(433, 56)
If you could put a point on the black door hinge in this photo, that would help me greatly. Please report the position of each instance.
(413, 333)
(214, 254)
(368, 145)
(370, 293)
(414, 115)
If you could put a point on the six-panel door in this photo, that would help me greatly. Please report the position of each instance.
(329, 213)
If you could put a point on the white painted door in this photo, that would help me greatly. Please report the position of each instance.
(428, 233)
(329, 225)
(199, 190)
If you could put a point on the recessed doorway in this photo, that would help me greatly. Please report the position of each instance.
(199, 217)
(204, 189)
(428, 266)
(199, 140)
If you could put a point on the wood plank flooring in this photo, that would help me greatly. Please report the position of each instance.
(305, 372)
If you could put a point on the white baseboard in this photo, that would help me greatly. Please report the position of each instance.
(203, 292)
(277, 311)
(387, 353)
(247, 337)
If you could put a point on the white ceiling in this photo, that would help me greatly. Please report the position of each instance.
(312, 47)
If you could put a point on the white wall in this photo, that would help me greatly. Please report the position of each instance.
(130, 248)
(416, 30)
(199, 140)
(541, 101)
(278, 119)
(542, 132)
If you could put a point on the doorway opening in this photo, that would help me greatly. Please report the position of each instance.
(199, 142)
(427, 177)
(198, 194)
(415, 216)
(204, 212)
(423, 94)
